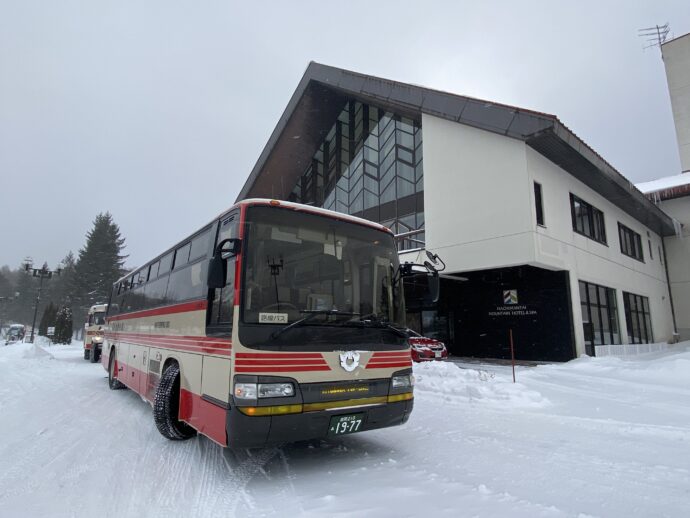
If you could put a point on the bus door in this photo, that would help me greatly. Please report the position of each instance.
(136, 370)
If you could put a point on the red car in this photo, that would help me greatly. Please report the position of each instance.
(425, 349)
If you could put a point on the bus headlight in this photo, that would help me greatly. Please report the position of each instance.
(400, 383)
(245, 390)
(276, 390)
(263, 390)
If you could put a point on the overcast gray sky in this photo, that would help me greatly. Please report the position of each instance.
(157, 110)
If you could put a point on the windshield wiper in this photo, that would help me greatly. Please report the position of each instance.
(311, 313)
(372, 320)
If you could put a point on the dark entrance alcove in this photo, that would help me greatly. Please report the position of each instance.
(476, 311)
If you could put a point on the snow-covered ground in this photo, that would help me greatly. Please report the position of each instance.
(592, 437)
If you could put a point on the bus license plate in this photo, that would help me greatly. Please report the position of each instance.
(344, 424)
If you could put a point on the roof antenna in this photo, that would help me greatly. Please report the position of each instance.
(654, 36)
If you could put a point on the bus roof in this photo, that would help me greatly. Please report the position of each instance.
(273, 203)
(98, 308)
(314, 210)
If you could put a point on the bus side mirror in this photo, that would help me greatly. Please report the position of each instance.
(217, 267)
(421, 288)
(229, 247)
(434, 287)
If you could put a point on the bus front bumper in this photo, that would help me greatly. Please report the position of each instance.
(246, 431)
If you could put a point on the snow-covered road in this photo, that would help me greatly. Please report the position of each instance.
(593, 437)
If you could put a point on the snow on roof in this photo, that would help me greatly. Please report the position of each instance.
(667, 182)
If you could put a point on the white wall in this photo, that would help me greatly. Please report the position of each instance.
(678, 258)
(476, 198)
(559, 246)
(676, 55)
(480, 214)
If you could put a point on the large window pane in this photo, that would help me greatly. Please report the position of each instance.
(587, 220)
(389, 145)
(638, 318)
(599, 315)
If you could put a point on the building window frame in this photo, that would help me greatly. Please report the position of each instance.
(638, 318)
(630, 242)
(599, 315)
(587, 220)
(539, 204)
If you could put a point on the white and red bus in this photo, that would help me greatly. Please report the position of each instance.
(93, 332)
(276, 322)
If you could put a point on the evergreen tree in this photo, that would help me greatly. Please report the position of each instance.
(100, 263)
(5, 286)
(48, 319)
(63, 326)
(23, 305)
(62, 287)
(6, 299)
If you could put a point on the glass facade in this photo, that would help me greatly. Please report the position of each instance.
(638, 318)
(599, 316)
(369, 165)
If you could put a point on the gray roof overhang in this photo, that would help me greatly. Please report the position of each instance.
(323, 90)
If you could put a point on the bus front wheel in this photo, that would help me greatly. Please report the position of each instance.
(113, 382)
(166, 406)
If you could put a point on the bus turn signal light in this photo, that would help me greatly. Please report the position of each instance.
(400, 397)
(270, 410)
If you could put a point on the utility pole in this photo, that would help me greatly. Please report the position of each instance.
(41, 273)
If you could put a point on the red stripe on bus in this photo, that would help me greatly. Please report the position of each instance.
(387, 365)
(197, 343)
(312, 356)
(389, 353)
(280, 362)
(177, 347)
(284, 369)
(195, 305)
(182, 340)
(175, 337)
(207, 418)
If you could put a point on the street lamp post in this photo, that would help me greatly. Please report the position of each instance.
(41, 273)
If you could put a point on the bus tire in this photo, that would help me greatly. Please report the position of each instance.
(166, 406)
(93, 357)
(113, 382)
(86, 354)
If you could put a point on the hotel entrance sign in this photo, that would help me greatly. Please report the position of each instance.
(510, 297)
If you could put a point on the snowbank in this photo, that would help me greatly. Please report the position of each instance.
(670, 367)
(21, 350)
(461, 384)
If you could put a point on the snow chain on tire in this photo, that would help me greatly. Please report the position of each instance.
(166, 405)
(113, 382)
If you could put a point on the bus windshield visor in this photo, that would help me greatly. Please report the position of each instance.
(319, 271)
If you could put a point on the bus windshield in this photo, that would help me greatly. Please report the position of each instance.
(320, 270)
